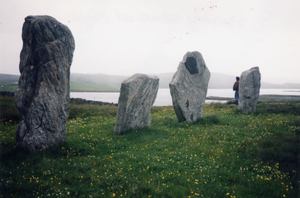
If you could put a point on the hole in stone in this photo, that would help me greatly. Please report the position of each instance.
(191, 65)
(187, 104)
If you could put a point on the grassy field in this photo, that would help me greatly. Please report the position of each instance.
(8, 87)
(226, 154)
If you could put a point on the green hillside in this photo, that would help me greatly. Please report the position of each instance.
(106, 83)
(79, 82)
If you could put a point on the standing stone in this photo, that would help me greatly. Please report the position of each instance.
(43, 94)
(137, 96)
(249, 90)
(189, 87)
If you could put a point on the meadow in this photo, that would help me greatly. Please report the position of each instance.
(226, 154)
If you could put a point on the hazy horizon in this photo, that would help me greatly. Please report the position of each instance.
(138, 36)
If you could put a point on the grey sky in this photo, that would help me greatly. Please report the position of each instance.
(151, 36)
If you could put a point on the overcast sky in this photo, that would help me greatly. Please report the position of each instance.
(151, 36)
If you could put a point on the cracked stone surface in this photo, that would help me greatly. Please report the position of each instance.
(249, 90)
(43, 93)
(188, 87)
(137, 96)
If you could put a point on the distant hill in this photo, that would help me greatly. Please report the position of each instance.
(217, 80)
(8, 82)
(225, 81)
(281, 86)
(79, 82)
(96, 82)
(9, 79)
(104, 82)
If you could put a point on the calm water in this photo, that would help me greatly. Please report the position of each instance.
(164, 98)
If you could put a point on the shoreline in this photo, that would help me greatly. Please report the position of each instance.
(262, 98)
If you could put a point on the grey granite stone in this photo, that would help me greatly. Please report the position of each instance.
(42, 96)
(137, 96)
(188, 87)
(249, 90)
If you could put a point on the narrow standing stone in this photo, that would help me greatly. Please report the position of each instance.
(249, 90)
(189, 87)
(137, 96)
(43, 94)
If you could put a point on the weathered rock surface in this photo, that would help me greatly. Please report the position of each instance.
(43, 93)
(188, 87)
(137, 96)
(249, 90)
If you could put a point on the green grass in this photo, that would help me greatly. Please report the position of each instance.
(8, 109)
(226, 154)
(8, 87)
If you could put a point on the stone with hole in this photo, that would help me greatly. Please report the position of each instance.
(188, 87)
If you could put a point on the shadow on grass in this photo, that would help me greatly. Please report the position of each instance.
(280, 148)
(12, 154)
(9, 152)
(11, 159)
(283, 148)
(209, 120)
(277, 107)
(141, 135)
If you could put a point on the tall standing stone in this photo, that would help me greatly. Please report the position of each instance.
(137, 96)
(188, 87)
(249, 90)
(43, 94)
